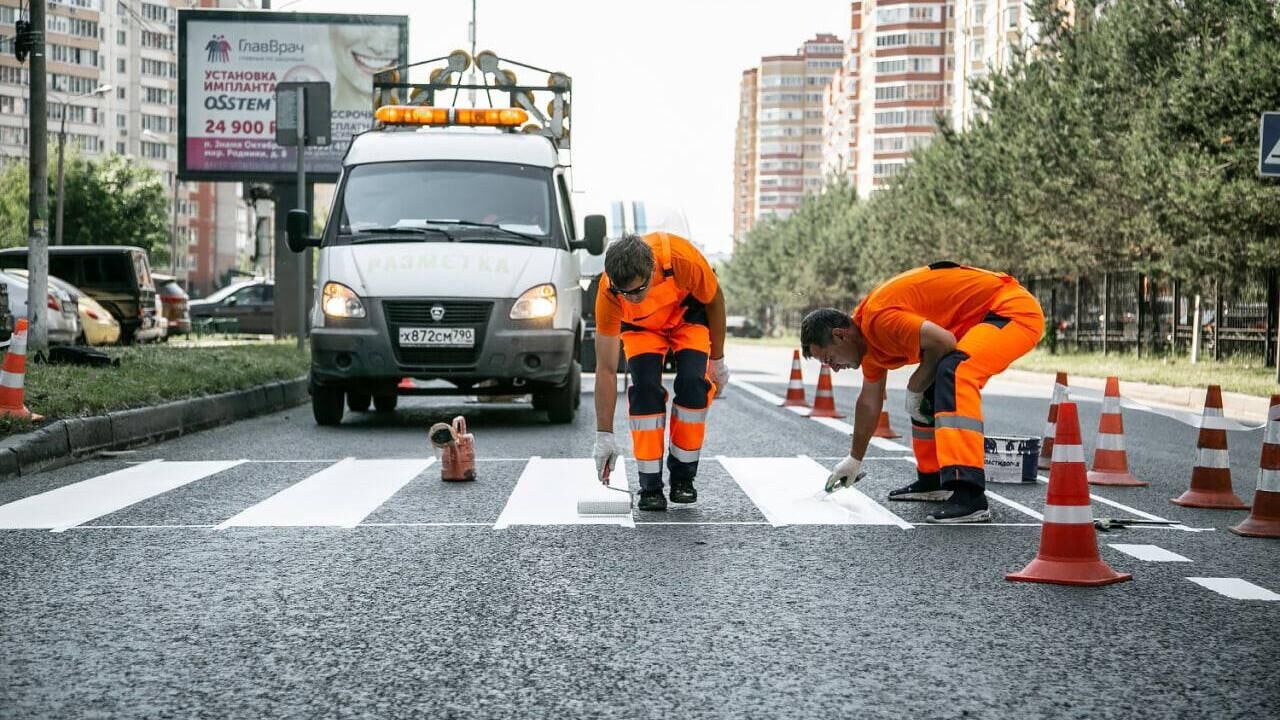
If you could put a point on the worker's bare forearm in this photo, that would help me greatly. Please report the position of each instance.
(716, 324)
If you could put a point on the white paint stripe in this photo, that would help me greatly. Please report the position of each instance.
(1149, 553)
(1235, 588)
(1110, 441)
(548, 491)
(1215, 459)
(758, 392)
(1068, 453)
(1269, 481)
(1068, 514)
(789, 491)
(341, 495)
(878, 443)
(643, 523)
(1015, 505)
(801, 411)
(1121, 506)
(78, 503)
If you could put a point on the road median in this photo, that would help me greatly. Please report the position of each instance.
(155, 393)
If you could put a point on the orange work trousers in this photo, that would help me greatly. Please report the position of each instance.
(646, 351)
(952, 448)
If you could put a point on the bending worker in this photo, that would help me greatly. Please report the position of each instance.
(659, 294)
(962, 325)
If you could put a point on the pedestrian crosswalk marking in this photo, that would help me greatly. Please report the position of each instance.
(1236, 589)
(78, 503)
(789, 491)
(1149, 553)
(341, 495)
(548, 490)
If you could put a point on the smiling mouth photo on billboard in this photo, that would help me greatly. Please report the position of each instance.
(358, 52)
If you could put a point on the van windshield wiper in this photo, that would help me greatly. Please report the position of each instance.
(488, 226)
(379, 233)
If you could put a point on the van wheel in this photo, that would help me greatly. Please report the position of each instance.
(562, 402)
(385, 403)
(326, 405)
(358, 402)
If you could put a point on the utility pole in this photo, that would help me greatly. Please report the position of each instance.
(471, 31)
(38, 187)
(302, 203)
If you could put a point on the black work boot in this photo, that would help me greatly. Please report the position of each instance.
(682, 491)
(926, 488)
(652, 500)
(968, 504)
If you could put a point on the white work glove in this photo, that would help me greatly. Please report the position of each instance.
(845, 474)
(605, 454)
(914, 401)
(720, 375)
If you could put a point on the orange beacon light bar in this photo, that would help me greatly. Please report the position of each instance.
(420, 115)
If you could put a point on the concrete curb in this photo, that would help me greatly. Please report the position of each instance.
(65, 442)
(1249, 408)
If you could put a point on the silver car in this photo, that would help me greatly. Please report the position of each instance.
(61, 314)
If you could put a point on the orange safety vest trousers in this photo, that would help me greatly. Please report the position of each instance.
(669, 318)
(952, 448)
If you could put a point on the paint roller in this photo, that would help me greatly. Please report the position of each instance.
(606, 500)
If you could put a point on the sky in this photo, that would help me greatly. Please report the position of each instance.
(655, 82)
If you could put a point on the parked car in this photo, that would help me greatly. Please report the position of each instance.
(97, 326)
(175, 302)
(742, 326)
(6, 317)
(251, 303)
(61, 315)
(117, 276)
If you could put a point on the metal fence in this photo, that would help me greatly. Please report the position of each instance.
(1146, 314)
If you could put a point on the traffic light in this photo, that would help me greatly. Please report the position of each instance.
(22, 40)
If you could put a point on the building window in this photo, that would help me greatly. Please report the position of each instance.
(120, 65)
(120, 148)
(122, 38)
(120, 93)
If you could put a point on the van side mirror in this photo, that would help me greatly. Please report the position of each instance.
(593, 227)
(298, 231)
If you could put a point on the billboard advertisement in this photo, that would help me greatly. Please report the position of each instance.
(229, 63)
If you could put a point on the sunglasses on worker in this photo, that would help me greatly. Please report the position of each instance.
(632, 293)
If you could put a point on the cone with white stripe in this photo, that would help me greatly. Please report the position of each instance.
(795, 386)
(12, 379)
(1110, 462)
(1068, 546)
(1264, 520)
(1046, 443)
(1211, 477)
(824, 400)
(883, 429)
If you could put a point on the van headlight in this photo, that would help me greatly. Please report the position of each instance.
(339, 301)
(535, 303)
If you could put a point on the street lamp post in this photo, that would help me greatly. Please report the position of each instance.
(62, 142)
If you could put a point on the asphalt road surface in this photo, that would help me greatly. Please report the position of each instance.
(273, 568)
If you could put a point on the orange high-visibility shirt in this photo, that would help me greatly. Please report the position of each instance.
(954, 297)
(690, 273)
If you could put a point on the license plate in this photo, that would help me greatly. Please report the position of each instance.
(437, 337)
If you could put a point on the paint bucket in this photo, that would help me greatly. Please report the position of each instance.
(1011, 459)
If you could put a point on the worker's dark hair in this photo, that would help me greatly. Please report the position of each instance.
(816, 328)
(627, 259)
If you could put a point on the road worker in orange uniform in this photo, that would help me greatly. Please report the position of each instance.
(962, 325)
(658, 293)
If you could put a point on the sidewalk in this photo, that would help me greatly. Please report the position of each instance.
(747, 359)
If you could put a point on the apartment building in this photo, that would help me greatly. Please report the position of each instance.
(744, 156)
(840, 106)
(905, 81)
(988, 33)
(790, 92)
(130, 46)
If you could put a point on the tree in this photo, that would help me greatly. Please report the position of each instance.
(112, 200)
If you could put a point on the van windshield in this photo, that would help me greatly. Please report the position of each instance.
(461, 197)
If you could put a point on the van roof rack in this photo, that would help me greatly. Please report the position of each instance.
(392, 88)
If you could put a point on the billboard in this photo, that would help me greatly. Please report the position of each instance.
(229, 63)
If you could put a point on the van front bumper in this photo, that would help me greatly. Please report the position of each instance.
(366, 353)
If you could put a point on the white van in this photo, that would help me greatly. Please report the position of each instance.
(448, 255)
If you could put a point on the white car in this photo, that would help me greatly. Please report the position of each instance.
(61, 313)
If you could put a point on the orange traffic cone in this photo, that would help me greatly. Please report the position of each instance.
(1264, 521)
(883, 429)
(824, 401)
(1046, 444)
(1068, 546)
(1211, 476)
(795, 386)
(1110, 463)
(13, 377)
